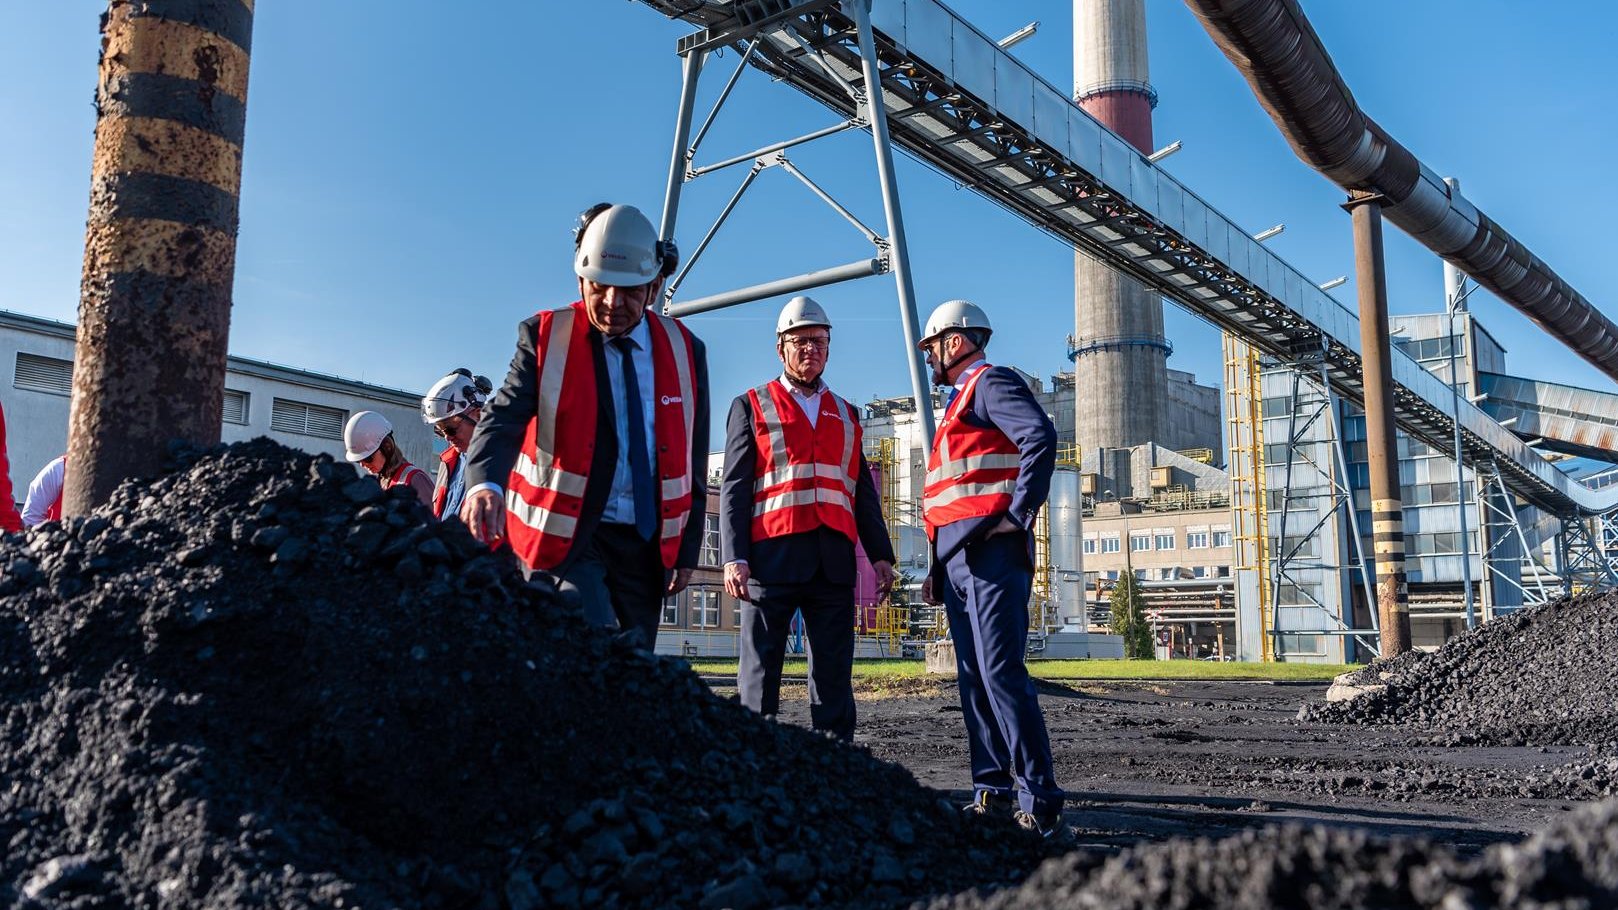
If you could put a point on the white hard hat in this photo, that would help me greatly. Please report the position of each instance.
(456, 393)
(364, 434)
(953, 315)
(617, 246)
(801, 312)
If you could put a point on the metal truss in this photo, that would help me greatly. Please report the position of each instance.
(1589, 546)
(1508, 544)
(1306, 423)
(865, 110)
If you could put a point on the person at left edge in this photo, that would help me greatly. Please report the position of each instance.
(591, 458)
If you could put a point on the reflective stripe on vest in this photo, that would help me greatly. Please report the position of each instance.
(804, 476)
(402, 475)
(972, 471)
(545, 493)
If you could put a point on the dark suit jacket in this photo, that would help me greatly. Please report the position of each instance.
(499, 435)
(793, 558)
(1003, 400)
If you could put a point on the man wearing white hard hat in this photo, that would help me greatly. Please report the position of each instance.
(368, 442)
(797, 496)
(987, 476)
(589, 460)
(452, 408)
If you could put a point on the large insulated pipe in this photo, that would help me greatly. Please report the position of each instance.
(1277, 50)
(160, 247)
(1381, 440)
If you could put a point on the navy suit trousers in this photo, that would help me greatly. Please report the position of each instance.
(987, 603)
(828, 620)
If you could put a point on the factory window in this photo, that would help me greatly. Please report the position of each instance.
(671, 612)
(1300, 645)
(235, 407)
(1221, 571)
(1164, 538)
(1356, 451)
(1277, 407)
(1140, 574)
(1196, 538)
(1199, 571)
(44, 374)
(1221, 537)
(1109, 543)
(1291, 594)
(1139, 541)
(1089, 544)
(1168, 573)
(290, 416)
(704, 608)
(709, 554)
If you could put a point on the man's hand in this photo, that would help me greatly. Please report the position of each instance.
(679, 580)
(1006, 526)
(885, 576)
(736, 576)
(927, 592)
(484, 513)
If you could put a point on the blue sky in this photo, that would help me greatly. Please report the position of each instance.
(412, 171)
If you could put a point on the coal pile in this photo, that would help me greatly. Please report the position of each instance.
(1544, 676)
(260, 682)
(1573, 865)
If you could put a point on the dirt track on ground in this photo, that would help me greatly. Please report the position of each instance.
(1145, 761)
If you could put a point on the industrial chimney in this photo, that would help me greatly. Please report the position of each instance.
(1120, 371)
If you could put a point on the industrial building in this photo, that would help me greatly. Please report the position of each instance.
(296, 407)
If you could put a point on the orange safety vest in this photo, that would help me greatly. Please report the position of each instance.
(805, 476)
(545, 494)
(972, 471)
(449, 457)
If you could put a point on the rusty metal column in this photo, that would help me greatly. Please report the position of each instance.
(1387, 509)
(160, 247)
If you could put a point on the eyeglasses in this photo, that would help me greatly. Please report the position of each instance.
(444, 427)
(821, 342)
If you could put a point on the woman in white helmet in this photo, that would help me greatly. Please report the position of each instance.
(368, 442)
(452, 408)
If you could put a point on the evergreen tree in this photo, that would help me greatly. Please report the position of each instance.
(1129, 619)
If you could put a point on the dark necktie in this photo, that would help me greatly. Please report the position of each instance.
(640, 470)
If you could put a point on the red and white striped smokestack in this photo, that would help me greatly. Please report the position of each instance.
(1111, 79)
(1120, 372)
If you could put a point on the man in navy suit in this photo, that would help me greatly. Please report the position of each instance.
(988, 474)
(796, 495)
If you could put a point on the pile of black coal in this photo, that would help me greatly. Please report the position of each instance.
(260, 682)
(1542, 676)
(1573, 865)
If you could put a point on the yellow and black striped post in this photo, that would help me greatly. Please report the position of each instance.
(160, 246)
(1381, 441)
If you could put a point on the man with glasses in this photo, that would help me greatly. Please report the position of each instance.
(796, 499)
(989, 472)
(590, 459)
(452, 408)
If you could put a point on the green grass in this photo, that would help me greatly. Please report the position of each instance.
(1081, 669)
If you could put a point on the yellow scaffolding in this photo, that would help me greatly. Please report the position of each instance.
(889, 623)
(1248, 504)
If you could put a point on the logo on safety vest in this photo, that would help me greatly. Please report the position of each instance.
(671, 399)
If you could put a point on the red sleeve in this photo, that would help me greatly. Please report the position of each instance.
(10, 520)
